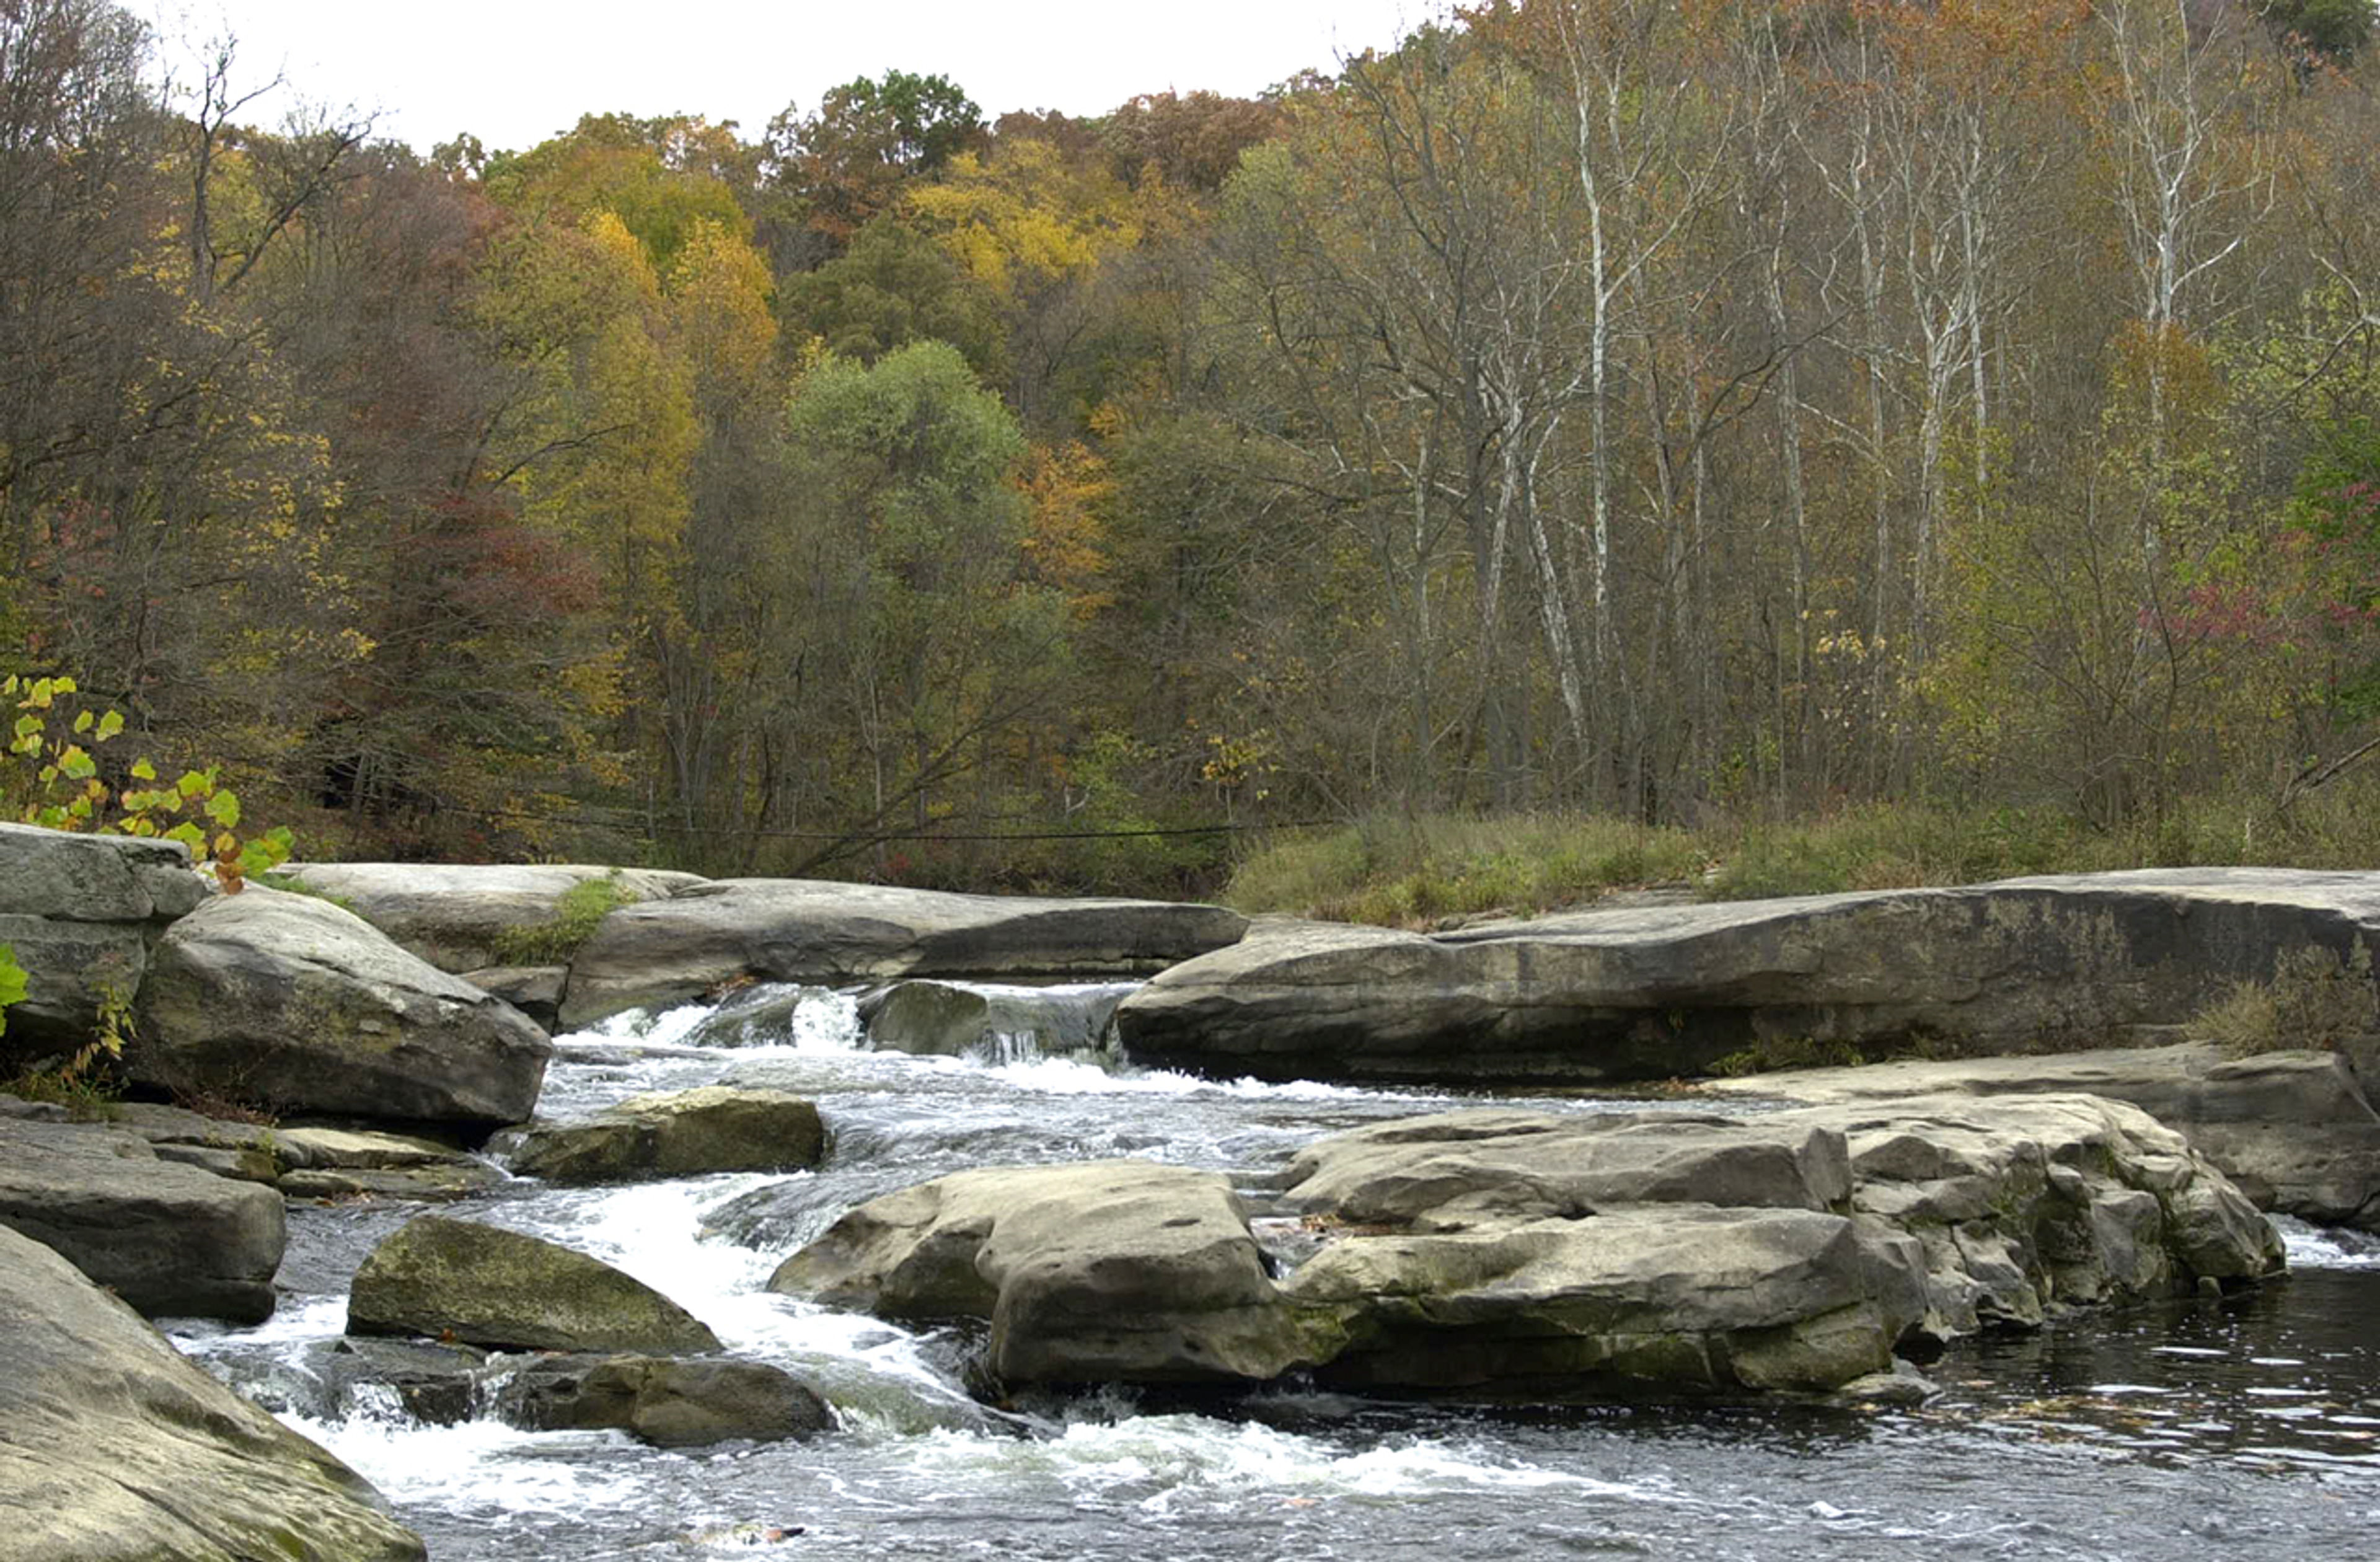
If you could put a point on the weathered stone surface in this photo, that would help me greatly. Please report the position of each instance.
(171, 1239)
(671, 1404)
(684, 1133)
(797, 930)
(437, 1277)
(112, 1448)
(80, 913)
(535, 990)
(455, 915)
(436, 1384)
(1504, 1253)
(1639, 992)
(2292, 1129)
(1106, 1271)
(291, 1002)
(946, 1020)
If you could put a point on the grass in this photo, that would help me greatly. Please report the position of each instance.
(578, 912)
(1409, 872)
(2314, 999)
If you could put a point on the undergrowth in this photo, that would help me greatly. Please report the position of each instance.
(578, 912)
(2314, 999)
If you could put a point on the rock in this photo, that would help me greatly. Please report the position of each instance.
(2292, 1129)
(437, 1278)
(1113, 1271)
(1001, 1023)
(329, 1162)
(289, 1001)
(1660, 992)
(795, 930)
(172, 1240)
(670, 1404)
(439, 1384)
(684, 1133)
(1505, 1253)
(535, 990)
(464, 917)
(81, 911)
(114, 1446)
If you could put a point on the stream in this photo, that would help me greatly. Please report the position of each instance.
(2247, 1426)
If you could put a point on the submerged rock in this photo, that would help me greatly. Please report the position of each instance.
(452, 1280)
(797, 930)
(1660, 992)
(469, 917)
(114, 1446)
(173, 1240)
(290, 1002)
(945, 1020)
(1501, 1252)
(683, 1133)
(670, 1404)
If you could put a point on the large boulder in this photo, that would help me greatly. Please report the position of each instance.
(464, 916)
(797, 930)
(1659, 992)
(443, 1278)
(112, 1448)
(289, 1001)
(1500, 1253)
(81, 911)
(173, 1240)
(1113, 1271)
(671, 1404)
(2292, 1129)
(683, 1133)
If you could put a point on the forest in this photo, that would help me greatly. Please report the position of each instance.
(1668, 411)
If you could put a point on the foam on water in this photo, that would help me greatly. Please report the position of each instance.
(2312, 1247)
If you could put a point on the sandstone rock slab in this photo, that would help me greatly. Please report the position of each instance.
(440, 1278)
(681, 1133)
(81, 911)
(459, 916)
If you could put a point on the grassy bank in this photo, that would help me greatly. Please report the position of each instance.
(1418, 871)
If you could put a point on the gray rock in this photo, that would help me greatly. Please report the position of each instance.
(670, 1404)
(289, 1001)
(945, 1020)
(456, 915)
(439, 1384)
(1660, 992)
(684, 1133)
(2292, 1129)
(173, 1240)
(1500, 1253)
(535, 990)
(436, 1277)
(1113, 1271)
(81, 912)
(796, 929)
(113, 1446)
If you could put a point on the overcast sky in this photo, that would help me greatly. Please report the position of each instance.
(514, 72)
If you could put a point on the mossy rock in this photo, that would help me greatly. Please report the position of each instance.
(443, 1279)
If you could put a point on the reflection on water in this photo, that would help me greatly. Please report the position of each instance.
(2247, 1426)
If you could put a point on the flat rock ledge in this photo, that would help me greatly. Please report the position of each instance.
(1496, 1254)
(2294, 1129)
(173, 1240)
(2025, 965)
(82, 913)
(113, 1446)
(462, 917)
(728, 931)
(438, 1278)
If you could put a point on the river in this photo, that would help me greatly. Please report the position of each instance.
(2241, 1427)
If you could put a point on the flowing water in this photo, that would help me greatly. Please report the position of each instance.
(2242, 1427)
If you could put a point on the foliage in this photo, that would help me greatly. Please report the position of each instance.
(80, 1082)
(65, 790)
(12, 983)
(2315, 998)
(578, 912)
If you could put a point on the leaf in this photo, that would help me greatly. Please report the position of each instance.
(190, 835)
(227, 847)
(110, 724)
(75, 764)
(194, 782)
(82, 721)
(143, 771)
(223, 809)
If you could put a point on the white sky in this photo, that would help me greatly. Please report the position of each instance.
(514, 72)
